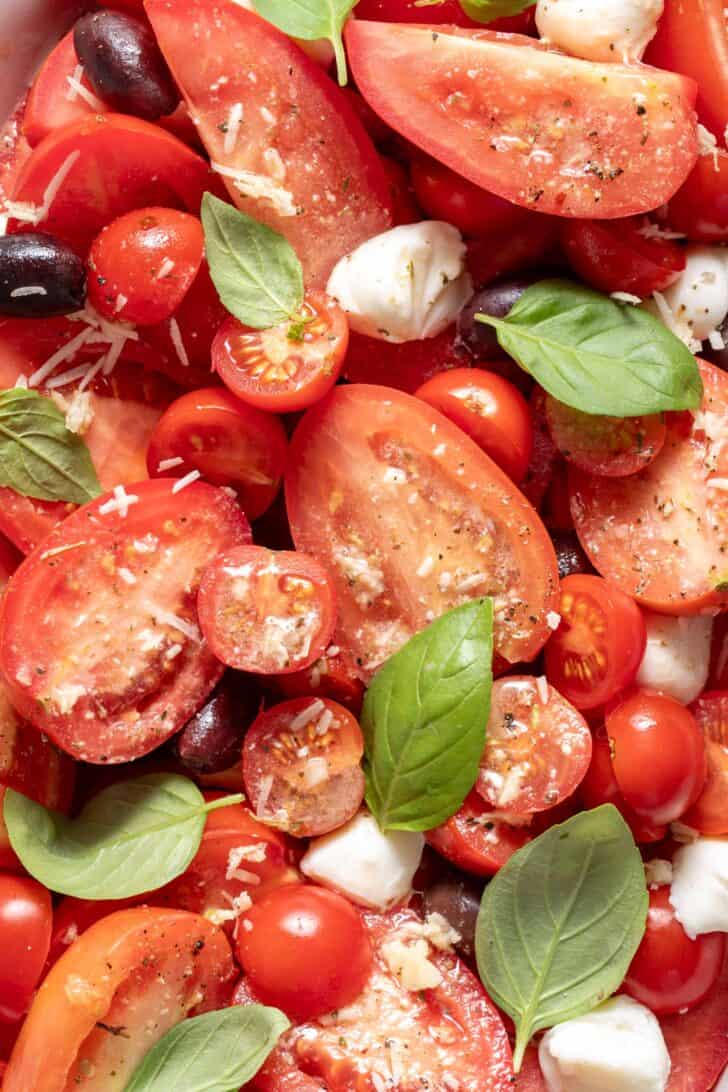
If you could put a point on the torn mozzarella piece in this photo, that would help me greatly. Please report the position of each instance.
(599, 30)
(677, 656)
(699, 297)
(699, 891)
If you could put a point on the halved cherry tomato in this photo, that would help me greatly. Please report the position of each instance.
(403, 365)
(29, 763)
(333, 676)
(289, 366)
(700, 206)
(25, 936)
(615, 255)
(477, 840)
(661, 535)
(613, 447)
(658, 755)
(266, 611)
(697, 1041)
(599, 644)
(140, 971)
(106, 692)
(512, 117)
(227, 441)
(709, 813)
(537, 749)
(441, 11)
(301, 161)
(600, 787)
(445, 195)
(183, 344)
(410, 518)
(670, 972)
(490, 410)
(301, 766)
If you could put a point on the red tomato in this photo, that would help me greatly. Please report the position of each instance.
(697, 1041)
(228, 442)
(301, 766)
(661, 535)
(600, 787)
(709, 813)
(72, 917)
(266, 611)
(614, 256)
(490, 410)
(410, 518)
(545, 459)
(513, 249)
(405, 365)
(323, 186)
(14, 150)
(9, 860)
(537, 750)
(670, 972)
(700, 206)
(10, 558)
(287, 367)
(476, 840)
(30, 764)
(183, 344)
(441, 11)
(613, 447)
(25, 936)
(298, 928)
(517, 98)
(143, 970)
(52, 101)
(405, 209)
(718, 676)
(142, 265)
(113, 695)
(600, 642)
(333, 676)
(658, 755)
(445, 195)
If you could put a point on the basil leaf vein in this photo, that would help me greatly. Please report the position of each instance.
(311, 19)
(485, 11)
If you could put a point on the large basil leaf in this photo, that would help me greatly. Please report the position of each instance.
(597, 355)
(217, 1052)
(424, 720)
(311, 19)
(134, 836)
(560, 922)
(485, 11)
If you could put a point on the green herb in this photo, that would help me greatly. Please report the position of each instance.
(485, 11)
(597, 355)
(424, 720)
(255, 270)
(311, 19)
(133, 837)
(217, 1052)
(39, 456)
(560, 922)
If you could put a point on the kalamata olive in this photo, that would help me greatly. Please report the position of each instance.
(569, 554)
(457, 899)
(719, 357)
(39, 276)
(124, 64)
(211, 740)
(496, 299)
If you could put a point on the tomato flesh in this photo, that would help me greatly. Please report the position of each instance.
(29, 763)
(700, 206)
(613, 447)
(615, 256)
(709, 813)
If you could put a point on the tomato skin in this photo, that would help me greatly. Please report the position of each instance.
(332, 676)
(198, 318)
(697, 1041)
(700, 206)
(600, 787)
(475, 844)
(25, 930)
(613, 256)
(403, 365)
(30, 764)
(613, 447)
(718, 677)
(446, 11)
(445, 195)
(503, 252)
(9, 861)
(490, 410)
(709, 813)
(48, 107)
(405, 209)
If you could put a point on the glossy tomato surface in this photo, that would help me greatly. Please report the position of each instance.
(616, 255)
(709, 813)
(52, 101)
(700, 206)
(30, 763)
(476, 840)
(403, 365)
(25, 935)
(443, 11)
(611, 447)
(697, 1041)
(600, 787)
(445, 195)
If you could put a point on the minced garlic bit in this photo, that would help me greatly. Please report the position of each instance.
(658, 872)
(411, 965)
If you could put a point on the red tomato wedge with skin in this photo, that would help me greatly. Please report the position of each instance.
(697, 1041)
(140, 970)
(301, 160)
(550, 132)
(29, 763)
(99, 643)
(410, 518)
(52, 100)
(662, 535)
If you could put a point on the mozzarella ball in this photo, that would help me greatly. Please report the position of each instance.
(699, 297)
(699, 891)
(677, 656)
(599, 30)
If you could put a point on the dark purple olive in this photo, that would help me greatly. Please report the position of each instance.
(569, 554)
(719, 357)
(212, 739)
(39, 276)
(124, 64)
(457, 899)
(478, 339)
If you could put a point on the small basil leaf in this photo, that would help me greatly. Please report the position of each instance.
(485, 11)
(254, 269)
(133, 837)
(39, 457)
(424, 720)
(597, 355)
(560, 922)
(311, 19)
(217, 1052)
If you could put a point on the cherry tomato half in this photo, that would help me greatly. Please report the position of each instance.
(305, 950)
(611, 446)
(700, 206)
(289, 366)
(25, 937)
(333, 676)
(616, 256)
(445, 195)
(475, 840)
(600, 787)
(405, 365)
(709, 813)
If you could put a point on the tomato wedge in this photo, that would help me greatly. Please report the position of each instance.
(30, 764)
(52, 101)
(709, 813)
(553, 133)
(476, 839)
(662, 535)
(142, 971)
(104, 691)
(301, 160)
(410, 518)
(612, 447)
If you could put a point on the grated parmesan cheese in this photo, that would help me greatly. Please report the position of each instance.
(232, 127)
(315, 772)
(238, 905)
(79, 90)
(411, 965)
(28, 290)
(658, 872)
(165, 269)
(259, 187)
(179, 348)
(167, 618)
(121, 502)
(188, 479)
(625, 297)
(35, 214)
(169, 464)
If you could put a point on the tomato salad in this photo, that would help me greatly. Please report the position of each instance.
(364, 549)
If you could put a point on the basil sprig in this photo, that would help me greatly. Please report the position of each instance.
(485, 11)
(217, 1052)
(256, 272)
(424, 720)
(597, 355)
(311, 19)
(39, 456)
(133, 837)
(560, 922)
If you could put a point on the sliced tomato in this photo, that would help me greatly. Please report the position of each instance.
(184, 344)
(613, 447)
(476, 839)
(697, 1041)
(616, 255)
(403, 365)
(29, 763)
(14, 150)
(302, 160)
(709, 813)
(441, 11)
(549, 132)
(104, 691)
(700, 206)
(445, 195)
(54, 102)
(410, 518)
(661, 535)
(25, 930)
(301, 766)
(119, 988)
(333, 676)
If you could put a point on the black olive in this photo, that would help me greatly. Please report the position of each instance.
(719, 357)
(569, 554)
(124, 64)
(39, 276)
(211, 740)
(477, 338)
(457, 899)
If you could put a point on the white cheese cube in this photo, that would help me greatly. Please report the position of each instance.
(699, 891)
(599, 30)
(677, 656)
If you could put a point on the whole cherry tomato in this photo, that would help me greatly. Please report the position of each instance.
(445, 195)
(25, 935)
(617, 255)
(600, 787)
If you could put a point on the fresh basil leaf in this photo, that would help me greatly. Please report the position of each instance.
(560, 922)
(133, 837)
(597, 355)
(424, 720)
(254, 269)
(217, 1052)
(311, 19)
(485, 11)
(39, 457)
